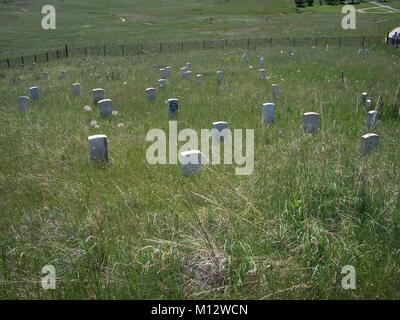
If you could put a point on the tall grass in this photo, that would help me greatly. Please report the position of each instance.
(131, 230)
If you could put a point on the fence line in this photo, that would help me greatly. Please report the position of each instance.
(185, 46)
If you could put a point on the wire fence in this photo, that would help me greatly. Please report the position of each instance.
(185, 46)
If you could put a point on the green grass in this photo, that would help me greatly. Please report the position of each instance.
(95, 22)
(131, 230)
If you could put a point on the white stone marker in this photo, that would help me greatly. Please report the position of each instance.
(369, 142)
(98, 149)
(163, 73)
(105, 108)
(188, 75)
(172, 107)
(183, 71)
(368, 104)
(220, 76)
(190, 162)
(310, 122)
(243, 57)
(262, 62)
(199, 79)
(162, 83)
(364, 98)
(220, 130)
(97, 95)
(76, 89)
(63, 74)
(169, 71)
(188, 66)
(151, 93)
(262, 74)
(23, 103)
(276, 90)
(34, 92)
(268, 113)
(45, 76)
(372, 119)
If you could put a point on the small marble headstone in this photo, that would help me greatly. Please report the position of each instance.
(97, 95)
(243, 57)
(220, 76)
(23, 103)
(34, 92)
(169, 71)
(151, 93)
(76, 89)
(154, 67)
(163, 73)
(268, 113)
(369, 142)
(199, 79)
(183, 71)
(368, 104)
(188, 66)
(310, 122)
(262, 74)
(276, 90)
(162, 83)
(45, 76)
(105, 108)
(220, 129)
(372, 119)
(98, 149)
(262, 62)
(63, 74)
(188, 75)
(364, 98)
(172, 107)
(190, 162)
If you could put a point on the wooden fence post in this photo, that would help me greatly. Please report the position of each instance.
(66, 51)
(8, 63)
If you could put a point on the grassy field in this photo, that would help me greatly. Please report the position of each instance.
(132, 230)
(95, 22)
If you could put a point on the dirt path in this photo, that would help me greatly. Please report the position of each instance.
(379, 8)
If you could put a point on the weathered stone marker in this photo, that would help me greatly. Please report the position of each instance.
(188, 66)
(243, 57)
(34, 92)
(368, 104)
(190, 162)
(262, 74)
(183, 71)
(63, 74)
(371, 120)
(276, 90)
(172, 107)
(262, 62)
(369, 142)
(45, 76)
(151, 94)
(169, 71)
(162, 83)
(105, 108)
(188, 75)
(310, 122)
(23, 103)
(220, 76)
(76, 89)
(154, 67)
(98, 149)
(268, 113)
(163, 73)
(220, 129)
(364, 98)
(97, 95)
(199, 79)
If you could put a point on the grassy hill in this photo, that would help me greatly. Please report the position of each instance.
(93, 22)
